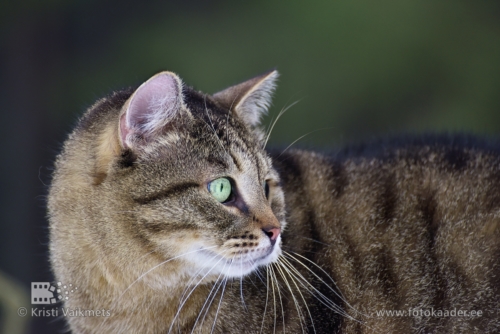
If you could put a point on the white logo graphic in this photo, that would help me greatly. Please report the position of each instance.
(50, 293)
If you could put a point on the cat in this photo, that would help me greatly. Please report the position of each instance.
(170, 216)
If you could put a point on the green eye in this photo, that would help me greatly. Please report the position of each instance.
(220, 189)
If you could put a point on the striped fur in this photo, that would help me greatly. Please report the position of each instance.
(404, 224)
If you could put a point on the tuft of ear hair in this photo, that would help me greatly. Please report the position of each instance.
(250, 99)
(150, 108)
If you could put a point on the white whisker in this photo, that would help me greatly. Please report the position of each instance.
(274, 298)
(213, 294)
(294, 279)
(147, 272)
(337, 293)
(208, 302)
(267, 298)
(296, 140)
(218, 307)
(276, 120)
(297, 306)
(315, 292)
(184, 300)
(279, 296)
(241, 287)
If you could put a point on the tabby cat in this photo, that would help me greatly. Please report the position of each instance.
(169, 215)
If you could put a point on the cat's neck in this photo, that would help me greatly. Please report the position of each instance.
(137, 307)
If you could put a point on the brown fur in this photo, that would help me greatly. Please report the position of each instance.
(411, 223)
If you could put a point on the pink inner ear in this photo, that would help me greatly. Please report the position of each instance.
(153, 105)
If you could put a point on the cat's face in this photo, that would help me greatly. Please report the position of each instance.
(198, 185)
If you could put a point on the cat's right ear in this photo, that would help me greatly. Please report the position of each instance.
(250, 99)
(150, 109)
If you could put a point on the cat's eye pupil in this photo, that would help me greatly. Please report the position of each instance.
(220, 189)
(266, 189)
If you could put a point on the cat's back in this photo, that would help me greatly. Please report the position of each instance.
(406, 224)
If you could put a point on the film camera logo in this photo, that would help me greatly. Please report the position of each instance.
(50, 293)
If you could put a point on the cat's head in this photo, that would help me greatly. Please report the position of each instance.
(192, 170)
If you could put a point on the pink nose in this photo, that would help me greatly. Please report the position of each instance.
(272, 233)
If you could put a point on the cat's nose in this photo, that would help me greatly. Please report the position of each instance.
(272, 233)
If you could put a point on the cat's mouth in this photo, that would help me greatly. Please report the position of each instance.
(240, 264)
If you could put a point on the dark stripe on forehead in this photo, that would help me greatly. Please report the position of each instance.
(175, 189)
(248, 148)
(212, 160)
(235, 160)
(239, 141)
(241, 146)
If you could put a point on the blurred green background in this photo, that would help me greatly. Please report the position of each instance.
(358, 68)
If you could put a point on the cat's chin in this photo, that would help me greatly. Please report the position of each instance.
(238, 266)
(237, 269)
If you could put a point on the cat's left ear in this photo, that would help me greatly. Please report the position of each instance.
(150, 109)
(249, 99)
